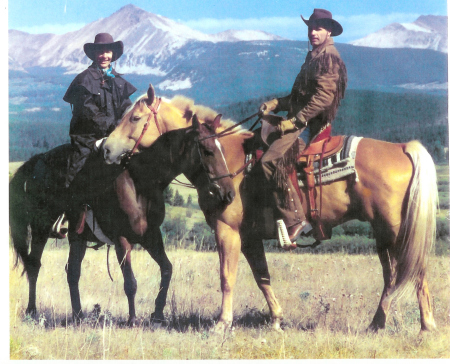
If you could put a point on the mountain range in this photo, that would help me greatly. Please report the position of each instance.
(427, 32)
(217, 69)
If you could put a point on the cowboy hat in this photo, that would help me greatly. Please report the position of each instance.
(325, 18)
(103, 40)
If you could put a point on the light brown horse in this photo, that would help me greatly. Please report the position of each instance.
(176, 114)
(395, 191)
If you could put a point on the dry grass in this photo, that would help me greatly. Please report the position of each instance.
(328, 302)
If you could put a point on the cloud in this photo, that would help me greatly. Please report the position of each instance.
(33, 109)
(355, 27)
(17, 100)
(55, 109)
(52, 28)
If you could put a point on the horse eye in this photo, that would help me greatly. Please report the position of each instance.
(207, 153)
(135, 118)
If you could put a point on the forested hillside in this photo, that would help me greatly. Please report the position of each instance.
(387, 116)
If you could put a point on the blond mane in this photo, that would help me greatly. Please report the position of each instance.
(204, 113)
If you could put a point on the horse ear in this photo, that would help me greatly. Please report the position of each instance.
(195, 122)
(216, 121)
(150, 95)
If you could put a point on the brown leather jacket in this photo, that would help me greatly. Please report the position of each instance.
(317, 89)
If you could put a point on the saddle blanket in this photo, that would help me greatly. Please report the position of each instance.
(339, 165)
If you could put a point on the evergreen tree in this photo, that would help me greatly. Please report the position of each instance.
(178, 200)
(168, 195)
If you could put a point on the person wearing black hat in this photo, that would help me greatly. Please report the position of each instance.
(98, 96)
(311, 106)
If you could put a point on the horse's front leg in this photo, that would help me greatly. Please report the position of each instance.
(253, 250)
(123, 251)
(77, 250)
(229, 246)
(153, 243)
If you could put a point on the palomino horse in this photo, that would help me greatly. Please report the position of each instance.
(145, 121)
(34, 189)
(395, 191)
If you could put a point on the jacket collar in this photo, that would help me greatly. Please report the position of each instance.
(321, 48)
(96, 73)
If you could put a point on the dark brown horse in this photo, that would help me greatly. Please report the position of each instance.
(34, 188)
(395, 190)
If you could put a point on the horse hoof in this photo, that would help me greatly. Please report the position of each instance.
(276, 326)
(131, 322)
(156, 321)
(220, 328)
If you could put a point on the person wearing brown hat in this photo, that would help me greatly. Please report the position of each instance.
(311, 106)
(98, 96)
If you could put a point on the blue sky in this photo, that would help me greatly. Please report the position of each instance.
(281, 17)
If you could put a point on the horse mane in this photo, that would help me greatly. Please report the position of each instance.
(204, 113)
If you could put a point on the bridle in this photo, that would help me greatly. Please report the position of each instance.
(154, 111)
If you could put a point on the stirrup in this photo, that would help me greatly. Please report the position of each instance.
(283, 236)
(60, 227)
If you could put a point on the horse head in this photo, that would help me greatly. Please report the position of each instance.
(140, 122)
(215, 187)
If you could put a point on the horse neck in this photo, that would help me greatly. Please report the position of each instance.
(171, 118)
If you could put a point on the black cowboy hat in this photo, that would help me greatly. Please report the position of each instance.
(104, 40)
(325, 18)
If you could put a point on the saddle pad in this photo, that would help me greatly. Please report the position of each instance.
(339, 165)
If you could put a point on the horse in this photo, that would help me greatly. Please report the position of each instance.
(142, 124)
(33, 191)
(396, 192)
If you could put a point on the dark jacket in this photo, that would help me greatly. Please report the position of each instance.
(317, 89)
(97, 108)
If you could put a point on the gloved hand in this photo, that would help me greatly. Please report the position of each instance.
(99, 144)
(268, 106)
(287, 125)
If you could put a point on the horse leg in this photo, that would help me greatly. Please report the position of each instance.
(153, 243)
(229, 246)
(253, 250)
(426, 312)
(388, 264)
(123, 252)
(32, 264)
(77, 251)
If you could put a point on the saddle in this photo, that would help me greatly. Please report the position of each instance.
(324, 146)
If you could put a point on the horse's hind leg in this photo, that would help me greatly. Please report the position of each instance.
(123, 252)
(77, 251)
(32, 264)
(388, 264)
(426, 312)
(253, 250)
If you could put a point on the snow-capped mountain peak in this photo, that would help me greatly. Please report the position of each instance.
(148, 40)
(427, 32)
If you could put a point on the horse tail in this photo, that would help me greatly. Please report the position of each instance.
(18, 212)
(418, 231)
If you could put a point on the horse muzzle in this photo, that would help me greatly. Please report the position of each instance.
(222, 195)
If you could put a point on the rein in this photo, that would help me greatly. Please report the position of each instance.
(227, 131)
(154, 111)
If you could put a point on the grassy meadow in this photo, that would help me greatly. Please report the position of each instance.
(328, 300)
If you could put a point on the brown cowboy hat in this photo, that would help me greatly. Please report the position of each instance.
(104, 40)
(324, 18)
